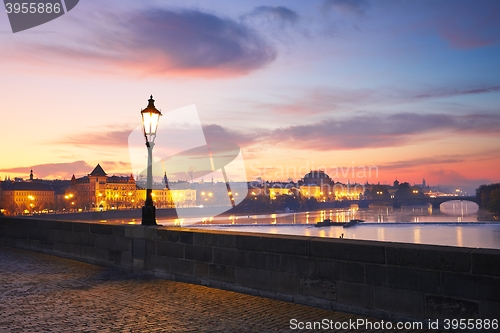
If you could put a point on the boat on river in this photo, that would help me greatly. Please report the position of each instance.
(352, 223)
(329, 223)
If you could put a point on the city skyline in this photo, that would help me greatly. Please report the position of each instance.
(409, 89)
(99, 191)
(140, 180)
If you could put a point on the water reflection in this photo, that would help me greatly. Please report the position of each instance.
(449, 213)
(380, 234)
(416, 235)
(452, 211)
(460, 240)
(459, 208)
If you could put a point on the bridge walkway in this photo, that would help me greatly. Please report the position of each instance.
(43, 293)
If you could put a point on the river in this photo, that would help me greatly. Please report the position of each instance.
(456, 223)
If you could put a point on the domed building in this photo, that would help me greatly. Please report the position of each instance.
(317, 184)
(317, 177)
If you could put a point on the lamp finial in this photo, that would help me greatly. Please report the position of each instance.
(151, 102)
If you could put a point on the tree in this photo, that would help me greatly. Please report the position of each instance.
(291, 202)
(310, 203)
(11, 208)
(494, 202)
(488, 197)
(22, 207)
(403, 192)
(379, 192)
(58, 204)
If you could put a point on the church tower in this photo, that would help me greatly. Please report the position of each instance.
(165, 181)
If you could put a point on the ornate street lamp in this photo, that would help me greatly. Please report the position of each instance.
(150, 119)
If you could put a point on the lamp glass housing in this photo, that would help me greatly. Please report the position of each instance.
(150, 120)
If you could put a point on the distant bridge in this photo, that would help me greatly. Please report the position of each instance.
(397, 203)
(435, 202)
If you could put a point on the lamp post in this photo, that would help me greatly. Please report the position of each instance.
(150, 119)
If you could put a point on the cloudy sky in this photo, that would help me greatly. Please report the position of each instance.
(403, 89)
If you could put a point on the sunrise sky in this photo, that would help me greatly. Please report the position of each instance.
(409, 87)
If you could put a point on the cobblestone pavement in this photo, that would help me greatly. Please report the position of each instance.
(43, 293)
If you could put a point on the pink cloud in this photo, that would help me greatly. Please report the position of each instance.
(322, 100)
(53, 170)
(163, 43)
(325, 99)
(110, 138)
(116, 167)
(356, 130)
(362, 130)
